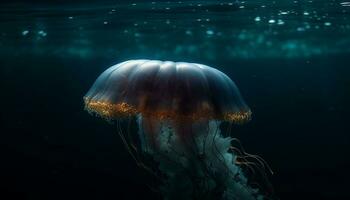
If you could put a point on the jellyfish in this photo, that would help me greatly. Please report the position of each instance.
(184, 113)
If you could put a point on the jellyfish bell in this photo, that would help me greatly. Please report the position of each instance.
(166, 90)
(179, 108)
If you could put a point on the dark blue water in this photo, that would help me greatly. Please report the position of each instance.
(290, 60)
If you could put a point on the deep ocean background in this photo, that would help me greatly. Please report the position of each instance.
(290, 60)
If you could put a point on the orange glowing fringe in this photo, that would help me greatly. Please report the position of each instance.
(118, 110)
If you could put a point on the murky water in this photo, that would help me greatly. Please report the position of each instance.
(290, 60)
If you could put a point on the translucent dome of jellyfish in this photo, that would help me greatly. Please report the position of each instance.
(179, 109)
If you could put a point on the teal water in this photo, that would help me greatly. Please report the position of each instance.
(187, 30)
(290, 59)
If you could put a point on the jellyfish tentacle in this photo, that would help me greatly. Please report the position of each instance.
(120, 132)
(132, 144)
(230, 128)
(136, 157)
(259, 163)
(188, 139)
(257, 157)
(152, 129)
(222, 159)
(206, 137)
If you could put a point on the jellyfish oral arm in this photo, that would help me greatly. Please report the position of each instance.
(196, 161)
